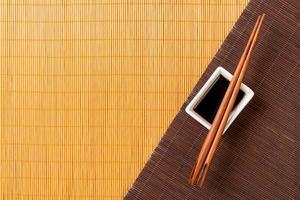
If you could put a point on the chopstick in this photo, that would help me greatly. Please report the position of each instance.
(217, 120)
(214, 135)
(228, 109)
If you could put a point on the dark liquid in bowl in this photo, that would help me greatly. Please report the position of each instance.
(209, 105)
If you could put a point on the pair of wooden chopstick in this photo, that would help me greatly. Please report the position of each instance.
(214, 135)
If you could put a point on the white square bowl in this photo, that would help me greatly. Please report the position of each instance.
(220, 71)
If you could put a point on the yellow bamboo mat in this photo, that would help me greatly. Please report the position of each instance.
(89, 87)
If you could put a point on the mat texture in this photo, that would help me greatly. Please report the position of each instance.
(88, 88)
(258, 157)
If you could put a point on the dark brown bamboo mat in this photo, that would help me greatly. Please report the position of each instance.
(258, 157)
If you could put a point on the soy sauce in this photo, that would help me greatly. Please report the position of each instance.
(209, 105)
